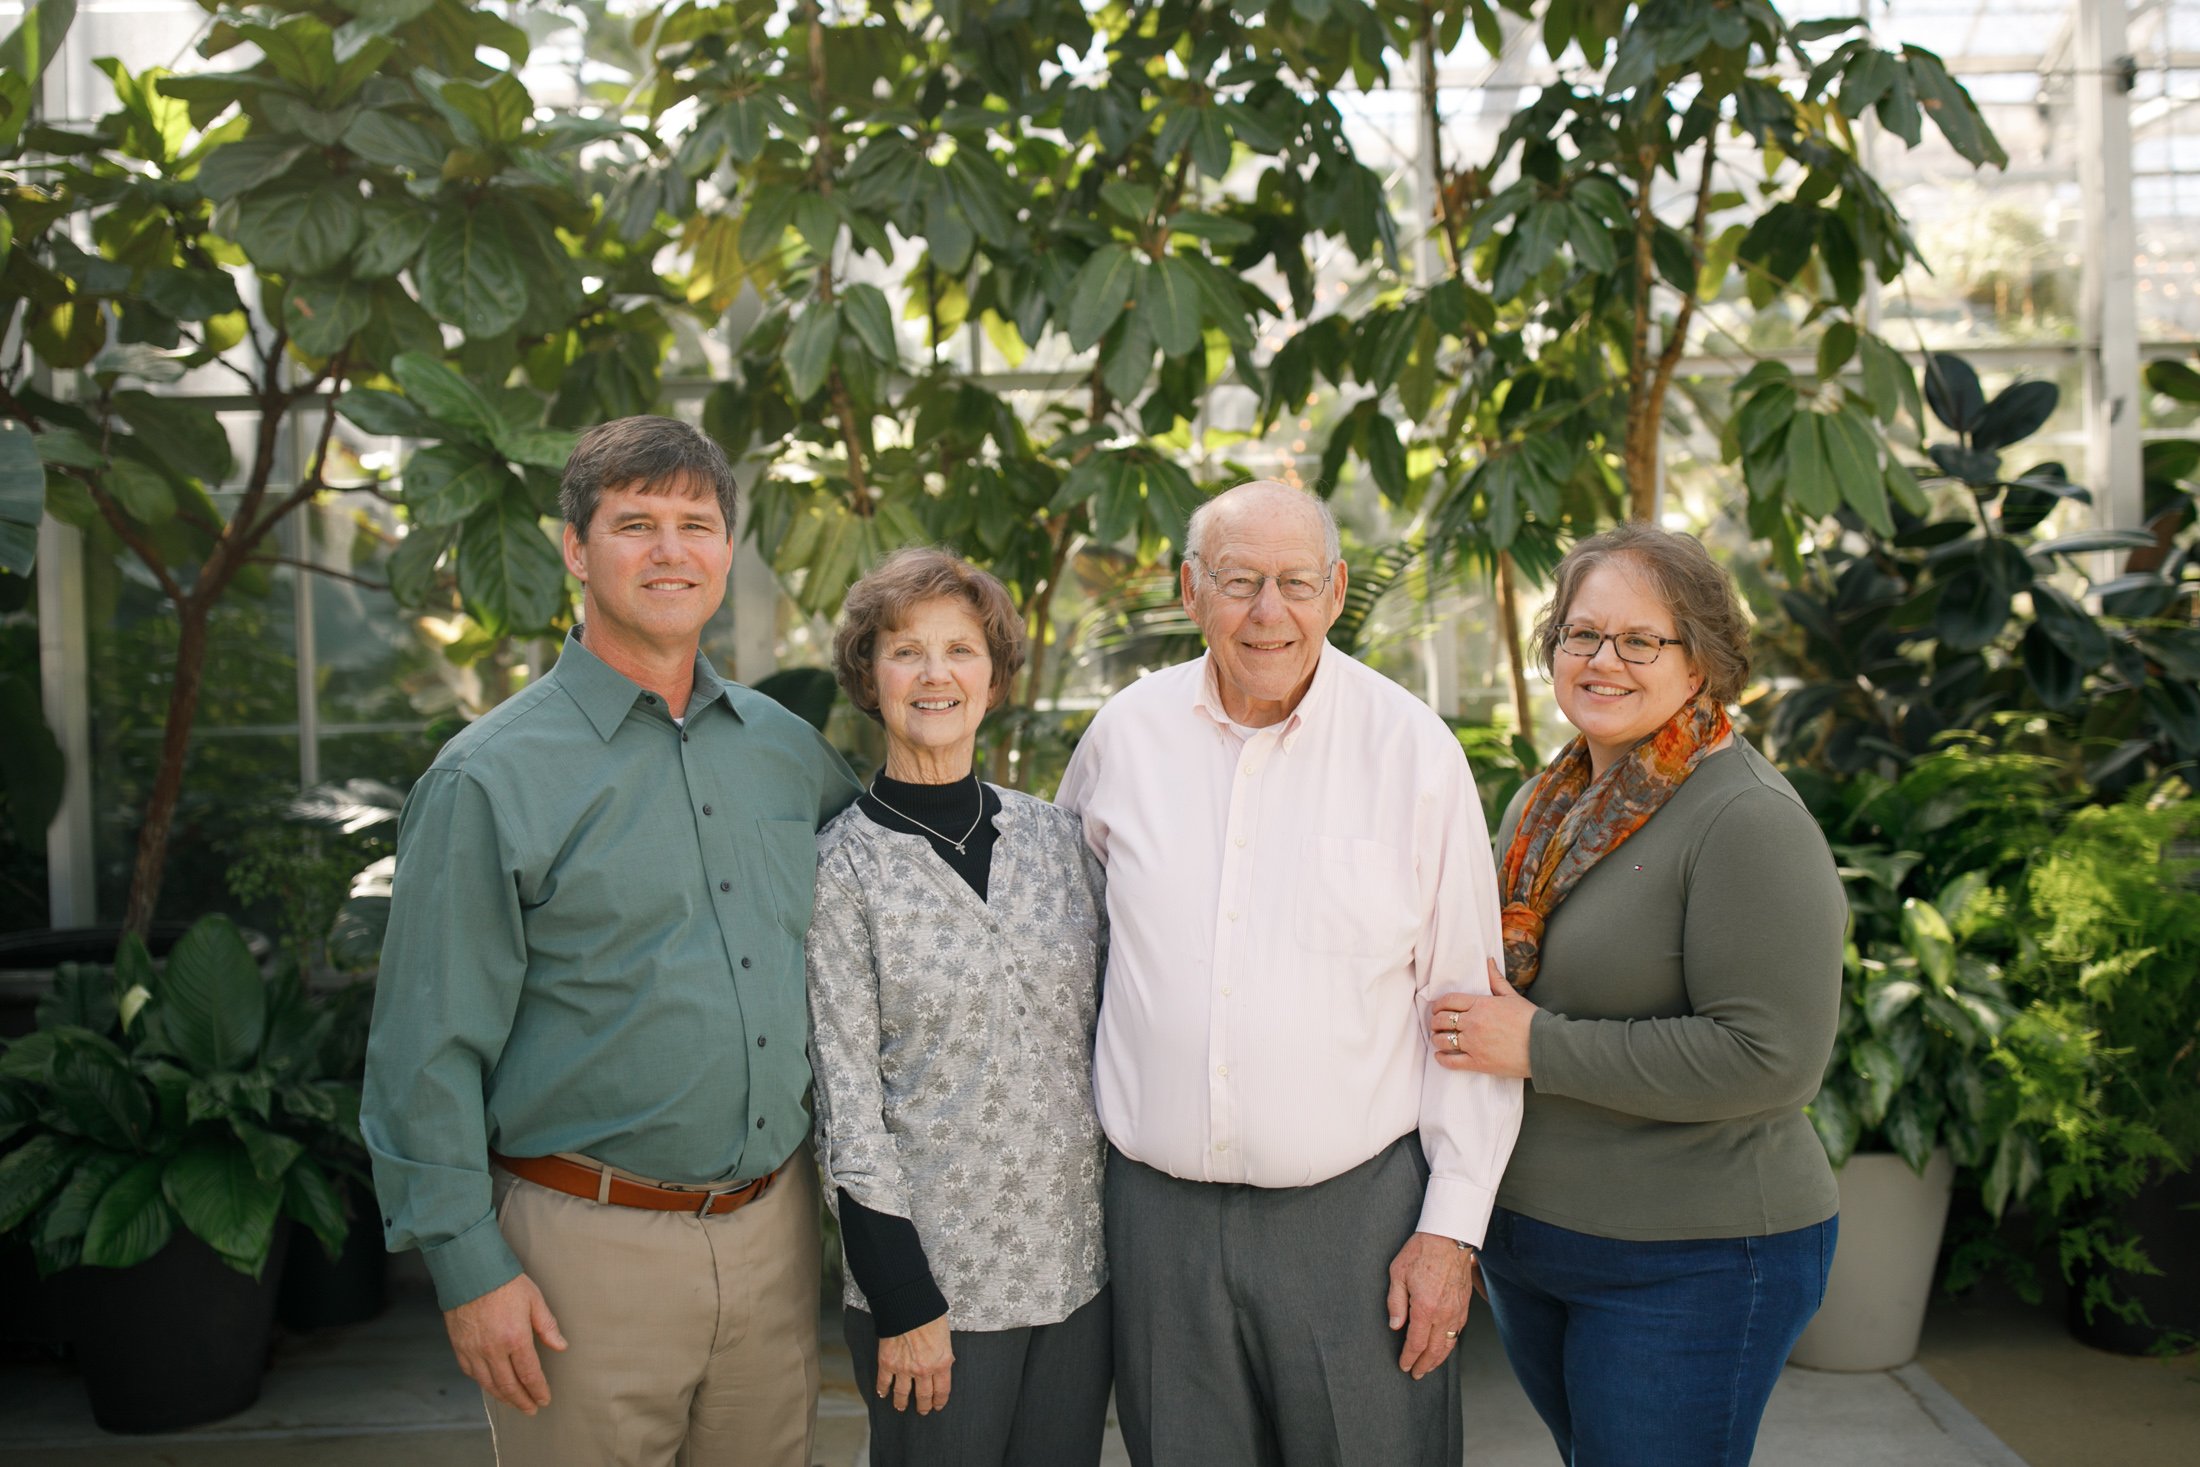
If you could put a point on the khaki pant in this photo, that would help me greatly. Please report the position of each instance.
(692, 1342)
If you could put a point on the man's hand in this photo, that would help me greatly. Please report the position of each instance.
(1431, 1284)
(494, 1339)
(917, 1366)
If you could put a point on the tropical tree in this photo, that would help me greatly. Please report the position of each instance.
(368, 217)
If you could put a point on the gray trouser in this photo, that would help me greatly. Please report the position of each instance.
(1251, 1323)
(1034, 1397)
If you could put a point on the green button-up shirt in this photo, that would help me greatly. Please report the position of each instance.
(595, 945)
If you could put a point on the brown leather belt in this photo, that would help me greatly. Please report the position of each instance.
(602, 1185)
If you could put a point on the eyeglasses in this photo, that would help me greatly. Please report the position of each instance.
(1640, 648)
(1235, 584)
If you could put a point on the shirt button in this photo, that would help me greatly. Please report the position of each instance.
(1225, 993)
(1232, 916)
(759, 1123)
(759, 1041)
(1223, 1071)
(725, 886)
(744, 962)
(1222, 1146)
(1241, 840)
(706, 809)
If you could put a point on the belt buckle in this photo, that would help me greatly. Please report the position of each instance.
(710, 1199)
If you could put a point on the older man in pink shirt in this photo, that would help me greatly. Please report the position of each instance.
(1296, 862)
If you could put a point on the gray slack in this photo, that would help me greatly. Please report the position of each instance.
(1252, 1325)
(1031, 1397)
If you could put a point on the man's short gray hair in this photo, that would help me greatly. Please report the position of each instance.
(1332, 543)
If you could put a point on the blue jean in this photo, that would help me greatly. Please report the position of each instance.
(1658, 1354)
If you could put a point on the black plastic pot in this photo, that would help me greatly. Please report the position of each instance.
(2166, 1217)
(319, 1293)
(178, 1340)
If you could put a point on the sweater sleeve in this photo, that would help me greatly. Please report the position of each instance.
(1761, 961)
(886, 1257)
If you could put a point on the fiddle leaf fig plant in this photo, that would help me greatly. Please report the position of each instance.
(1965, 605)
(186, 1095)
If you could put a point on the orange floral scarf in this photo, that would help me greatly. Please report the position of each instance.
(1572, 823)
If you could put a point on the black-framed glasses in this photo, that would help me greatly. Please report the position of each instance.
(1238, 584)
(1640, 648)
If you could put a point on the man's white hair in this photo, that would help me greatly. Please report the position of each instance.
(1332, 544)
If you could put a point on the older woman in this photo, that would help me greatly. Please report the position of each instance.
(1673, 930)
(954, 962)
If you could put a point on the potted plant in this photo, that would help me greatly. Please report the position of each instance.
(2111, 912)
(1914, 1090)
(161, 1124)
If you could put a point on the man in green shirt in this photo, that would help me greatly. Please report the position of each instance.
(585, 1090)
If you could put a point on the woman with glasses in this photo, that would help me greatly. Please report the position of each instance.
(1673, 930)
(954, 972)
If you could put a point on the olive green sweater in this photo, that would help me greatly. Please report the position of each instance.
(1690, 987)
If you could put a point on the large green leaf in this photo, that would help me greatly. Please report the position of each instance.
(239, 167)
(443, 394)
(1098, 296)
(187, 435)
(323, 315)
(470, 274)
(1810, 481)
(389, 238)
(223, 1201)
(809, 355)
(1853, 459)
(28, 1176)
(1879, 1068)
(272, 1152)
(512, 578)
(142, 490)
(864, 309)
(393, 142)
(1168, 303)
(131, 1221)
(449, 482)
(311, 1198)
(22, 497)
(99, 1097)
(1834, 1119)
(385, 413)
(1925, 933)
(213, 1003)
(302, 227)
(32, 45)
(71, 1211)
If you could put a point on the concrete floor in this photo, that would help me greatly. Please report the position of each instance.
(1998, 1385)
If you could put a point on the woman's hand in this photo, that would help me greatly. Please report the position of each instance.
(1484, 1032)
(915, 1366)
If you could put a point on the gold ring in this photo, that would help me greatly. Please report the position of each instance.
(1451, 1334)
(1453, 1036)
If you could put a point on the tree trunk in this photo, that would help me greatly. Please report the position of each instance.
(1644, 420)
(1508, 625)
(160, 809)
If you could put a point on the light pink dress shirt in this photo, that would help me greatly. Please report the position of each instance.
(1283, 903)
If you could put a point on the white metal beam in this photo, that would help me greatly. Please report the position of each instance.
(2108, 308)
(64, 675)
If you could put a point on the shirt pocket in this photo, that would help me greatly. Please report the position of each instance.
(1354, 896)
(789, 857)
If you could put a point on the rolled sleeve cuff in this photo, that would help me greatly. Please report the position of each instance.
(1456, 1208)
(471, 1264)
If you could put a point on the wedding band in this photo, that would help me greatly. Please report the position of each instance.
(1454, 1020)
(1451, 1334)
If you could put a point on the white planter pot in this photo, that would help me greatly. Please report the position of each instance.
(1891, 1221)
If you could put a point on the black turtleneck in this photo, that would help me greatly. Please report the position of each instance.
(884, 1252)
(908, 808)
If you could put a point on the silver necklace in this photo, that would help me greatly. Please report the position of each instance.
(959, 845)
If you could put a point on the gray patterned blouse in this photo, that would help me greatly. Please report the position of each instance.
(952, 1044)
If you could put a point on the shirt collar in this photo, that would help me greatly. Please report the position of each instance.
(605, 696)
(1208, 700)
